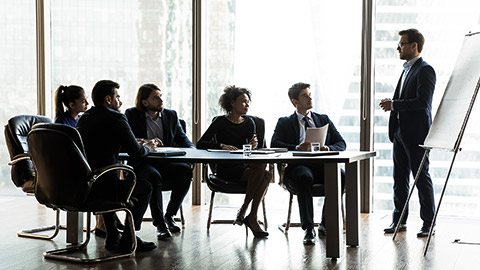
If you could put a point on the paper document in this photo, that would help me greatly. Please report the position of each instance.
(316, 135)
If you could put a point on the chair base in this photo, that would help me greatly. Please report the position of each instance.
(64, 254)
(32, 233)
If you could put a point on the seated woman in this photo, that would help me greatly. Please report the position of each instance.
(230, 132)
(74, 99)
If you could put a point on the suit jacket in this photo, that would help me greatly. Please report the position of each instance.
(412, 113)
(287, 132)
(104, 131)
(172, 130)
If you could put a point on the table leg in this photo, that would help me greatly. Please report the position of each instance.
(352, 182)
(74, 227)
(333, 216)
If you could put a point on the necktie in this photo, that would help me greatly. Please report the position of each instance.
(307, 124)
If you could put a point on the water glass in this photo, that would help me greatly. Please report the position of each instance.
(247, 150)
(315, 147)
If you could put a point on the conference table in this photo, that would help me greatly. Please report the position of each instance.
(332, 164)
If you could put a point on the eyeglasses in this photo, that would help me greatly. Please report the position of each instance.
(401, 44)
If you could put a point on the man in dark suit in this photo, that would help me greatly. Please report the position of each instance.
(290, 133)
(150, 120)
(104, 131)
(410, 120)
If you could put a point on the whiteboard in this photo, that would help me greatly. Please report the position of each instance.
(447, 127)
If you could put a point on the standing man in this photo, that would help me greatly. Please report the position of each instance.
(410, 119)
(104, 131)
(149, 120)
(290, 133)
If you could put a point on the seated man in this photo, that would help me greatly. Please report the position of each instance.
(149, 120)
(290, 133)
(104, 131)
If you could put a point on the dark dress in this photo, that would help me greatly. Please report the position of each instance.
(223, 131)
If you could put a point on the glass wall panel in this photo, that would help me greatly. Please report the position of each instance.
(444, 24)
(130, 42)
(267, 46)
(18, 73)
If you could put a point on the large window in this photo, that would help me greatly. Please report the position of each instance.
(444, 25)
(18, 77)
(131, 42)
(266, 46)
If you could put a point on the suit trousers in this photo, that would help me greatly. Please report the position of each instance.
(140, 198)
(174, 176)
(406, 160)
(302, 178)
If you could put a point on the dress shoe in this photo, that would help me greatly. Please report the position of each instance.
(309, 238)
(112, 241)
(163, 232)
(126, 244)
(260, 234)
(425, 230)
(391, 228)
(144, 245)
(322, 232)
(172, 226)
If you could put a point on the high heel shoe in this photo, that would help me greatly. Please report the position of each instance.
(239, 219)
(260, 234)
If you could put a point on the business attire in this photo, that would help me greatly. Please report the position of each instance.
(222, 131)
(409, 123)
(290, 132)
(175, 176)
(104, 132)
(67, 119)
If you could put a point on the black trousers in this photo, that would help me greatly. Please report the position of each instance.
(140, 197)
(174, 176)
(406, 160)
(302, 178)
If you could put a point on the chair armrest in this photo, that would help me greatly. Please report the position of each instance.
(204, 172)
(117, 167)
(19, 158)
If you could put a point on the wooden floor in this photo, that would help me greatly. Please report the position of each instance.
(227, 247)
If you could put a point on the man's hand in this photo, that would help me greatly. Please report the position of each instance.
(386, 104)
(306, 146)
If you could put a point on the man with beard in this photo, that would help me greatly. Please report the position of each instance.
(410, 120)
(104, 131)
(151, 121)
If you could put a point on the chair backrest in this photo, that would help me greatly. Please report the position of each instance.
(16, 132)
(62, 171)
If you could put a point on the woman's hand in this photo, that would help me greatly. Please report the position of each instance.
(254, 141)
(227, 147)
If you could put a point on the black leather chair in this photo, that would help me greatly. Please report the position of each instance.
(218, 184)
(64, 179)
(318, 191)
(23, 173)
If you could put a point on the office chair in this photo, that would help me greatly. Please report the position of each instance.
(23, 173)
(318, 190)
(218, 184)
(64, 180)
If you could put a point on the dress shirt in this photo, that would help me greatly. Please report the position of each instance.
(154, 126)
(302, 125)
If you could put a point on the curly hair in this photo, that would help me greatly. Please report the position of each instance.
(230, 95)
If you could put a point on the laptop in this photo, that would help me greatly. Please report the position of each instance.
(168, 151)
